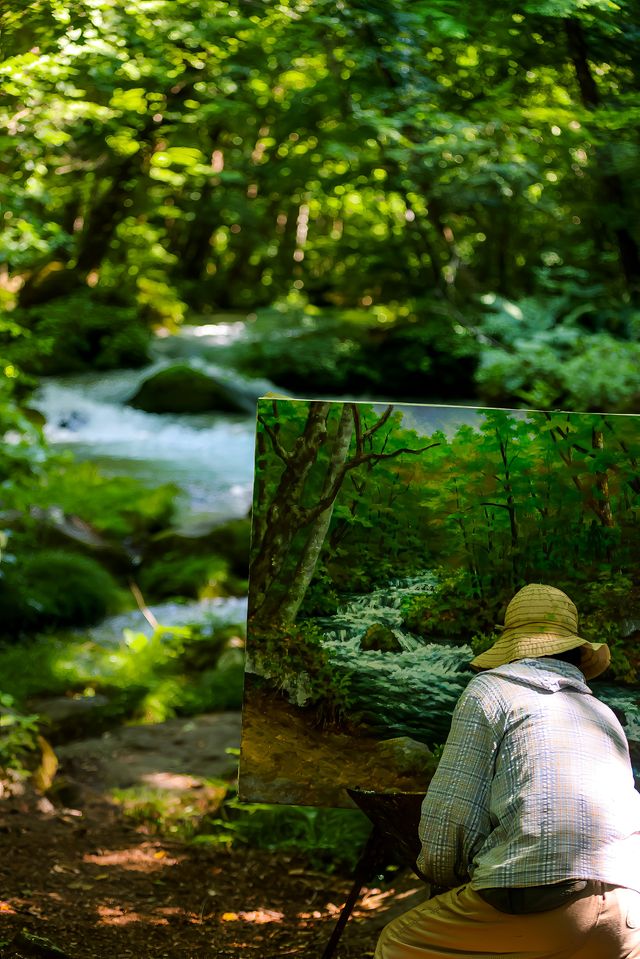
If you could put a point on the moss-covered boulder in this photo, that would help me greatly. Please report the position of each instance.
(380, 638)
(212, 564)
(229, 540)
(52, 588)
(406, 755)
(181, 389)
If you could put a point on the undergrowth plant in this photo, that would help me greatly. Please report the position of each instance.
(212, 815)
(176, 671)
(331, 839)
(18, 735)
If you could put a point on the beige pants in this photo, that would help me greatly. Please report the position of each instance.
(460, 925)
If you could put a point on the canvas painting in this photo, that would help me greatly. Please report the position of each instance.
(387, 541)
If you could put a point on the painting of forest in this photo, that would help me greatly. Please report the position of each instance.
(387, 541)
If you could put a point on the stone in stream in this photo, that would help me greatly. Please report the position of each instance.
(57, 529)
(229, 540)
(181, 389)
(407, 755)
(381, 638)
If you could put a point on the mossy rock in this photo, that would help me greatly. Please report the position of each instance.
(381, 638)
(230, 541)
(406, 755)
(196, 577)
(53, 588)
(181, 389)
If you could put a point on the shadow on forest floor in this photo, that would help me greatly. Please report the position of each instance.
(91, 884)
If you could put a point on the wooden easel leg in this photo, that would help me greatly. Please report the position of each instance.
(371, 857)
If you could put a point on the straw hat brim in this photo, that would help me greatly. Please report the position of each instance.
(523, 642)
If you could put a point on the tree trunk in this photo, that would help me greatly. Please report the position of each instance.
(611, 186)
(602, 504)
(305, 568)
(511, 510)
(284, 515)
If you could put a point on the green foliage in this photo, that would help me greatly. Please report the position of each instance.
(22, 449)
(389, 350)
(216, 688)
(195, 576)
(541, 354)
(177, 671)
(330, 839)
(166, 673)
(120, 507)
(53, 588)
(80, 332)
(600, 602)
(605, 375)
(167, 813)
(300, 659)
(212, 565)
(321, 598)
(197, 152)
(18, 735)
(453, 612)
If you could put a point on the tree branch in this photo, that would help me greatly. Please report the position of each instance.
(278, 448)
(378, 424)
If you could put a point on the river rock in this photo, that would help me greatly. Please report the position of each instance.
(66, 530)
(229, 540)
(68, 717)
(406, 755)
(381, 638)
(181, 389)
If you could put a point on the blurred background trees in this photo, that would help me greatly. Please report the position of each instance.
(463, 178)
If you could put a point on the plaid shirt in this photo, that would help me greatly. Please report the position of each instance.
(534, 785)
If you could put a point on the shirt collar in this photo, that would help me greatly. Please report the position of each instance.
(548, 674)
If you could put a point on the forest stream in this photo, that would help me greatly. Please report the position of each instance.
(208, 456)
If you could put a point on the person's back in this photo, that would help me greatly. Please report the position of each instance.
(532, 815)
(560, 802)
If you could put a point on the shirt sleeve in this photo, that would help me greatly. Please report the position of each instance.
(455, 818)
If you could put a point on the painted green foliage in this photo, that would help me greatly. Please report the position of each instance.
(509, 499)
(307, 454)
(423, 522)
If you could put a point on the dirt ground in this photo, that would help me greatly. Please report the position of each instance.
(78, 879)
(285, 759)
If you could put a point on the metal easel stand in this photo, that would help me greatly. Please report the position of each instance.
(395, 818)
(371, 859)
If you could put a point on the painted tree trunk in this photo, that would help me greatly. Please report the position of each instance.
(284, 516)
(602, 505)
(287, 611)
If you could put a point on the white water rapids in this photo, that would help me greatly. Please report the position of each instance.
(209, 457)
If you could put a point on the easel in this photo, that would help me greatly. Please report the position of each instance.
(395, 818)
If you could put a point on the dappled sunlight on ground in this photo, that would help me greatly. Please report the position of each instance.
(116, 916)
(96, 885)
(257, 916)
(160, 780)
(144, 858)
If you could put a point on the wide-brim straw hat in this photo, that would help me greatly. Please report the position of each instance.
(540, 621)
